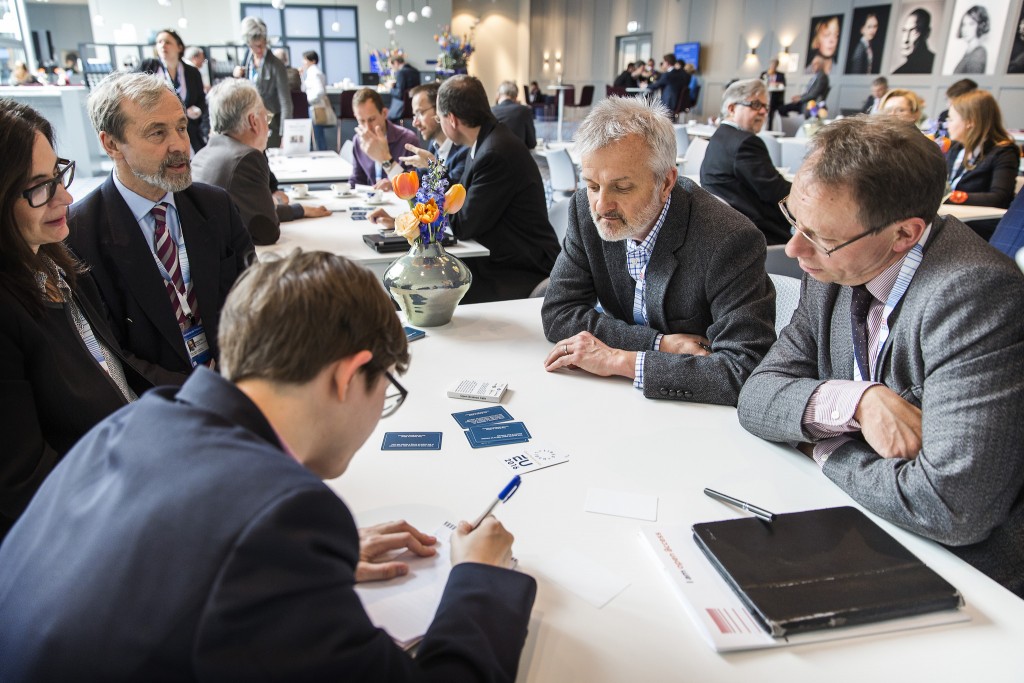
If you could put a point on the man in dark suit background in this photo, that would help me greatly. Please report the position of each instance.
(190, 536)
(406, 78)
(873, 104)
(687, 310)
(505, 208)
(737, 166)
(672, 82)
(900, 373)
(234, 160)
(163, 252)
(816, 89)
(518, 118)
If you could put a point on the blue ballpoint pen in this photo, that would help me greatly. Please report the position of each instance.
(503, 497)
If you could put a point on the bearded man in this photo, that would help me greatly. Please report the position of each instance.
(163, 251)
(658, 280)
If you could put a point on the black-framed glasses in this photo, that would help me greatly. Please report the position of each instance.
(755, 105)
(394, 397)
(828, 252)
(41, 194)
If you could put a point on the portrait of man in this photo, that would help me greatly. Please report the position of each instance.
(1016, 65)
(913, 52)
(866, 43)
(975, 31)
(824, 41)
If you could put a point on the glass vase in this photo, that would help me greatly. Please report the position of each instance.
(428, 283)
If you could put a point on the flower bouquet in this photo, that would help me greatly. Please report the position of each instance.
(455, 52)
(427, 283)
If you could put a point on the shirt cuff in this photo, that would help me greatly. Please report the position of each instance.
(396, 169)
(638, 369)
(830, 409)
(297, 210)
(657, 342)
(826, 447)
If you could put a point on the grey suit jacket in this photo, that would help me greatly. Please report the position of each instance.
(706, 276)
(956, 349)
(244, 172)
(272, 82)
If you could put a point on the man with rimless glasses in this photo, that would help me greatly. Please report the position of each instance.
(226, 557)
(902, 371)
(737, 167)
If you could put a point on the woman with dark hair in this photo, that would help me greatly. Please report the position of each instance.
(61, 370)
(973, 26)
(185, 80)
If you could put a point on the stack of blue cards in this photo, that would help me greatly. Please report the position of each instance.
(491, 427)
(411, 441)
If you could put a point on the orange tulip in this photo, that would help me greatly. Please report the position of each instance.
(454, 198)
(406, 185)
(427, 213)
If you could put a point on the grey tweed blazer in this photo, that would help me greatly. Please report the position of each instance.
(956, 349)
(706, 276)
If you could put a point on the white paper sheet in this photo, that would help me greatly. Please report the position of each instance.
(622, 504)
(583, 576)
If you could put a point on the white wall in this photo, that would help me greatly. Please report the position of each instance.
(502, 37)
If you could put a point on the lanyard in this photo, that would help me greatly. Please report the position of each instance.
(907, 271)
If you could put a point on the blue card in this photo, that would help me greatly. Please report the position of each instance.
(411, 441)
(412, 334)
(482, 436)
(492, 415)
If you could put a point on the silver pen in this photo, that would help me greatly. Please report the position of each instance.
(759, 512)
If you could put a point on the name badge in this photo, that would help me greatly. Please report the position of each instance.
(197, 346)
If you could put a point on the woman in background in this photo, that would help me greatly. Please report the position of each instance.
(315, 85)
(825, 43)
(903, 104)
(61, 370)
(184, 79)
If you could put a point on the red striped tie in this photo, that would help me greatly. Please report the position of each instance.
(167, 252)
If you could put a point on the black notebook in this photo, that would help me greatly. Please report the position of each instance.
(821, 569)
(393, 242)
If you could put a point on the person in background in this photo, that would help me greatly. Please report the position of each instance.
(816, 89)
(775, 81)
(20, 75)
(901, 374)
(628, 77)
(195, 56)
(378, 143)
(315, 84)
(983, 160)
(737, 167)
(687, 309)
(164, 251)
(825, 44)
(269, 75)
(518, 118)
(294, 77)
(964, 85)
(695, 84)
(406, 78)
(536, 96)
(973, 25)
(185, 80)
(61, 368)
(673, 83)
(196, 527)
(879, 87)
(903, 104)
(235, 161)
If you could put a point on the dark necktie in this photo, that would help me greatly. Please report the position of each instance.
(860, 302)
(167, 252)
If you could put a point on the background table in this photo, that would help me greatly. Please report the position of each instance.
(312, 167)
(339, 234)
(561, 105)
(620, 440)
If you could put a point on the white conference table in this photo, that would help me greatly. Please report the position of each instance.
(643, 634)
(339, 234)
(311, 167)
(971, 213)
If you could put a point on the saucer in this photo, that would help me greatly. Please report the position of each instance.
(376, 202)
(347, 194)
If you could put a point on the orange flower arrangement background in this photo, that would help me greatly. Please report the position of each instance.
(430, 202)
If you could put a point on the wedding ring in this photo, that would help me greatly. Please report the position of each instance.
(704, 346)
(565, 349)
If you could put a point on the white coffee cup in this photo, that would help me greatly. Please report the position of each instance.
(540, 143)
(300, 190)
(341, 189)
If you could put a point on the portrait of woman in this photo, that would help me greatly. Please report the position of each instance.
(824, 43)
(866, 43)
(974, 34)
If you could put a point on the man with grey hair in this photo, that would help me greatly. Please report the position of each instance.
(163, 251)
(518, 118)
(737, 167)
(269, 74)
(657, 281)
(234, 160)
(901, 371)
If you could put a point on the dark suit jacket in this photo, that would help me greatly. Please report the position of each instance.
(52, 391)
(957, 352)
(738, 169)
(817, 88)
(180, 542)
(458, 155)
(406, 79)
(706, 276)
(105, 234)
(869, 103)
(671, 83)
(518, 118)
(244, 172)
(1009, 236)
(198, 129)
(919, 61)
(991, 181)
(505, 211)
(364, 169)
